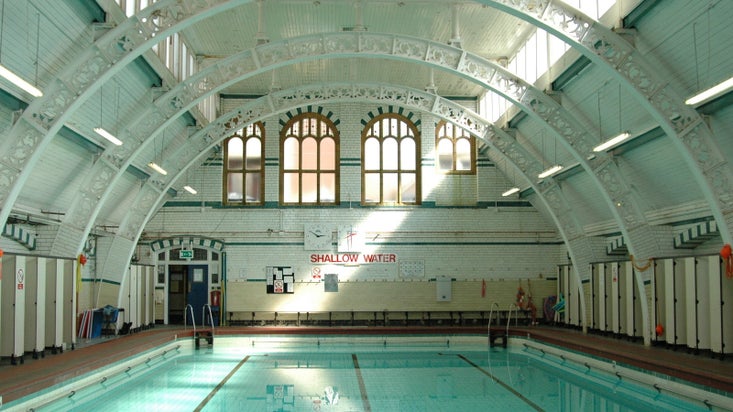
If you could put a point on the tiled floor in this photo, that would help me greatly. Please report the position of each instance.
(35, 374)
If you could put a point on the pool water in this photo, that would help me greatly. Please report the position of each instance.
(317, 373)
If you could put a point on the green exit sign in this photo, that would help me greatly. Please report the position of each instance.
(185, 254)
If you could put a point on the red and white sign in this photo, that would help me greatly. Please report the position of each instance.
(20, 277)
(353, 258)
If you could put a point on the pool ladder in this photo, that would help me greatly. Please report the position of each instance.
(495, 335)
(207, 335)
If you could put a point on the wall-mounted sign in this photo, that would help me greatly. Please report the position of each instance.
(280, 279)
(331, 282)
(353, 258)
(20, 277)
(185, 254)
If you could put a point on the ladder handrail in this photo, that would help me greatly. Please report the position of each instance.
(509, 317)
(193, 320)
(211, 317)
(491, 314)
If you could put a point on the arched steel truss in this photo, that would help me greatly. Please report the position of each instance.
(112, 52)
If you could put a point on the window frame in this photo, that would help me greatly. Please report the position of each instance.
(365, 136)
(318, 171)
(244, 171)
(458, 133)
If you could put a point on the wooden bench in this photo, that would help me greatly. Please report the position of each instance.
(263, 318)
(499, 318)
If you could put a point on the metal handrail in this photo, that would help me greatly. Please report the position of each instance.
(211, 317)
(509, 317)
(193, 320)
(491, 315)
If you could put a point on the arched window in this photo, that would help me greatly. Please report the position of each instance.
(455, 149)
(309, 173)
(244, 166)
(390, 161)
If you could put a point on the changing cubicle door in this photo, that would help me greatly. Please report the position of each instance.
(12, 343)
(726, 301)
(615, 299)
(68, 320)
(678, 303)
(607, 297)
(133, 303)
(720, 297)
(595, 279)
(7, 317)
(658, 308)
(601, 296)
(29, 311)
(143, 279)
(54, 304)
(670, 301)
(35, 290)
(634, 318)
(150, 295)
(698, 273)
(622, 282)
(40, 335)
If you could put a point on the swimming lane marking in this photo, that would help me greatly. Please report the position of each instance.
(219, 386)
(362, 387)
(507, 387)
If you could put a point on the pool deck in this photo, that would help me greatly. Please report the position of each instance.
(33, 375)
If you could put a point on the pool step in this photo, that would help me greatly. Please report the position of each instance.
(494, 335)
(206, 335)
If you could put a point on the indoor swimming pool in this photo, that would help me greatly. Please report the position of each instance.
(368, 373)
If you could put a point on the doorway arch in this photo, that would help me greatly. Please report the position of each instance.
(189, 268)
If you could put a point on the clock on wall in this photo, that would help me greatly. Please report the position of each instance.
(317, 237)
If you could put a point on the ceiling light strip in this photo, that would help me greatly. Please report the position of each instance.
(711, 93)
(549, 172)
(157, 168)
(16, 80)
(612, 142)
(107, 135)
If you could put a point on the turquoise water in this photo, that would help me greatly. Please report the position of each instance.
(450, 373)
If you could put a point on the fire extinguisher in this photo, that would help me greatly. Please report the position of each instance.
(215, 297)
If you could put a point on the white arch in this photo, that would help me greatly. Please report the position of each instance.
(272, 55)
(283, 101)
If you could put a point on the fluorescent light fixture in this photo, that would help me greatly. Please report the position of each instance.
(13, 78)
(710, 93)
(107, 135)
(157, 168)
(549, 172)
(190, 190)
(612, 142)
(510, 192)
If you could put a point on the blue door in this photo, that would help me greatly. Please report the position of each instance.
(198, 286)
